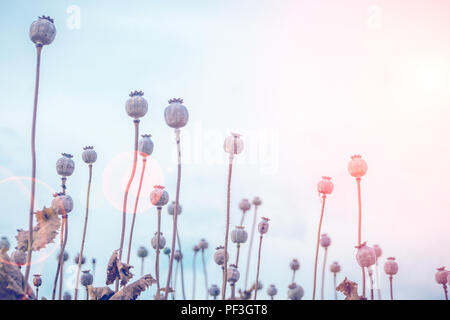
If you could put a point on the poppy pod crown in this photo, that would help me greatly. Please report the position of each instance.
(47, 18)
(136, 93)
(88, 148)
(176, 100)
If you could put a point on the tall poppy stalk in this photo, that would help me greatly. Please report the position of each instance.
(136, 107)
(256, 202)
(357, 167)
(42, 32)
(176, 116)
(325, 242)
(232, 145)
(89, 156)
(203, 246)
(325, 187)
(263, 227)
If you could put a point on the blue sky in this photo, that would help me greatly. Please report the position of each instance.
(307, 83)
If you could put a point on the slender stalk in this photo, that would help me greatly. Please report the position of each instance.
(205, 274)
(445, 291)
(259, 261)
(358, 183)
(158, 288)
(233, 291)
(317, 246)
(227, 230)
(142, 266)
(193, 275)
(87, 293)
(144, 162)
(378, 279)
(390, 284)
(334, 281)
(181, 267)
(323, 273)
(33, 165)
(175, 280)
(175, 215)
(84, 232)
(125, 198)
(61, 258)
(243, 216)
(237, 254)
(363, 281)
(371, 284)
(37, 293)
(250, 246)
(55, 282)
(293, 276)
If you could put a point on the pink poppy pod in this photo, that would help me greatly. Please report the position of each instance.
(325, 240)
(335, 267)
(294, 265)
(325, 186)
(257, 201)
(365, 256)
(263, 226)
(245, 205)
(391, 266)
(441, 275)
(159, 197)
(378, 250)
(233, 144)
(357, 167)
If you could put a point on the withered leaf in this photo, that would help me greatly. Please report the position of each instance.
(117, 269)
(133, 290)
(11, 280)
(103, 293)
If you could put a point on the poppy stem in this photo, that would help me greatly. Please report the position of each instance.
(63, 248)
(205, 274)
(125, 198)
(227, 229)
(133, 220)
(33, 166)
(257, 269)
(158, 288)
(317, 245)
(84, 233)
(323, 274)
(390, 283)
(250, 246)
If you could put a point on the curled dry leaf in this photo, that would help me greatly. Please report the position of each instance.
(103, 293)
(133, 290)
(48, 224)
(11, 280)
(117, 269)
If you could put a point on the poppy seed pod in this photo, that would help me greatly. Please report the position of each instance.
(4, 244)
(42, 31)
(263, 226)
(233, 144)
(65, 165)
(86, 278)
(357, 167)
(89, 155)
(159, 197)
(214, 290)
(365, 256)
(245, 205)
(325, 240)
(162, 241)
(142, 252)
(178, 255)
(294, 265)
(391, 266)
(166, 251)
(171, 208)
(77, 257)
(145, 145)
(257, 201)
(136, 106)
(203, 244)
(196, 248)
(335, 267)
(260, 285)
(219, 255)
(37, 280)
(65, 256)
(378, 250)
(233, 274)
(441, 275)
(19, 257)
(67, 296)
(239, 235)
(176, 114)
(295, 292)
(325, 186)
(62, 203)
(272, 290)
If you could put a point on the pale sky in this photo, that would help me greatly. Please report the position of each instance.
(308, 84)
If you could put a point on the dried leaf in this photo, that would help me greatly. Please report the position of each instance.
(103, 293)
(117, 269)
(43, 233)
(133, 290)
(11, 280)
